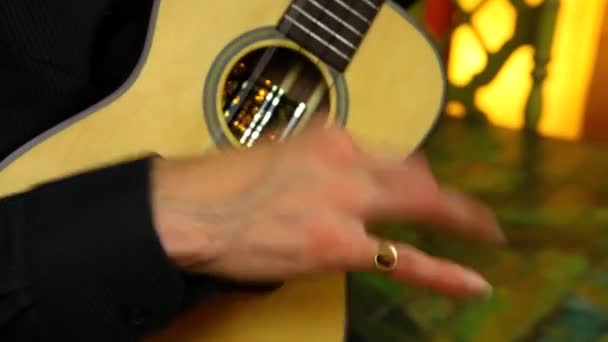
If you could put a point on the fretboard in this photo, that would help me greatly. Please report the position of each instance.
(330, 29)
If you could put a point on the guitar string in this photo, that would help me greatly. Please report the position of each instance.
(262, 63)
(269, 53)
(352, 13)
(344, 21)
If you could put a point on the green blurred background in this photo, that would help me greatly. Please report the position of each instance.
(551, 281)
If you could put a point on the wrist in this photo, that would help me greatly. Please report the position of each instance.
(184, 238)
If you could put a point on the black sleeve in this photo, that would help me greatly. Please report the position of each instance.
(79, 258)
(81, 261)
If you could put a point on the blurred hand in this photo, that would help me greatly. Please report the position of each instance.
(298, 208)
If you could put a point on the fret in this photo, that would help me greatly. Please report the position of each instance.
(334, 17)
(318, 41)
(323, 26)
(371, 4)
(330, 29)
(332, 33)
(352, 10)
(346, 15)
(376, 3)
(317, 37)
(340, 27)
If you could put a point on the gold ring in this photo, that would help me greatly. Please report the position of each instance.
(386, 258)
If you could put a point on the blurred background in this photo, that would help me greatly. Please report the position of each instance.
(525, 130)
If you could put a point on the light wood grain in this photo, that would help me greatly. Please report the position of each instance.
(395, 90)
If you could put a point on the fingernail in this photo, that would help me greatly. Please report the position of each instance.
(457, 203)
(489, 293)
(460, 209)
(476, 284)
(499, 234)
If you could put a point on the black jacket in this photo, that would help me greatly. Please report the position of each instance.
(79, 258)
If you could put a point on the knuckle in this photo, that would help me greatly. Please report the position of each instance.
(328, 244)
(336, 145)
(360, 191)
(347, 188)
(323, 240)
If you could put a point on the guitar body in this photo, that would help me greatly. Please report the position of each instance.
(389, 97)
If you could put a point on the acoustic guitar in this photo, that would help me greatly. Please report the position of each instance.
(230, 74)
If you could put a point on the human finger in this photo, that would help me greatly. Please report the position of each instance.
(410, 192)
(414, 267)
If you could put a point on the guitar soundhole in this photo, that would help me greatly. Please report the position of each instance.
(270, 93)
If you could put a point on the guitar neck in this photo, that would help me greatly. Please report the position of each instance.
(330, 29)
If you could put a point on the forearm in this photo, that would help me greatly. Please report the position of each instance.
(83, 259)
(86, 254)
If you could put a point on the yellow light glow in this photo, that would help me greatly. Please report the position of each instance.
(468, 58)
(469, 5)
(570, 70)
(507, 95)
(533, 3)
(456, 109)
(494, 22)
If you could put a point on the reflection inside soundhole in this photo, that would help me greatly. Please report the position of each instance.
(270, 92)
